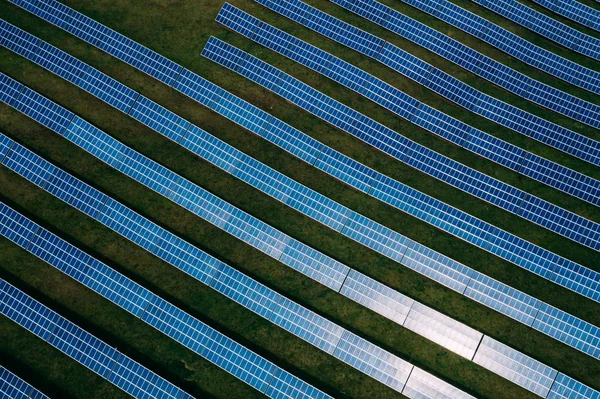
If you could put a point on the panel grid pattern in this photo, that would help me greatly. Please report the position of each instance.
(502, 244)
(575, 11)
(389, 243)
(177, 324)
(83, 347)
(479, 64)
(546, 26)
(487, 31)
(11, 386)
(292, 317)
(135, 299)
(421, 72)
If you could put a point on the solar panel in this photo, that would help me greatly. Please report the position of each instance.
(515, 366)
(83, 347)
(475, 62)
(377, 297)
(190, 332)
(502, 39)
(135, 299)
(575, 11)
(420, 258)
(422, 385)
(418, 255)
(11, 386)
(443, 330)
(503, 244)
(546, 26)
(294, 318)
(373, 361)
(307, 325)
(556, 323)
(567, 388)
(423, 73)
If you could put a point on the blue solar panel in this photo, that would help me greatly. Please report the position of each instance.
(513, 44)
(373, 361)
(95, 141)
(12, 387)
(43, 110)
(10, 90)
(132, 297)
(546, 26)
(502, 298)
(76, 193)
(566, 328)
(186, 257)
(307, 325)
(28, 165)
(15, 227)
(128, 223)
(502, 244)
(420, 258)
(18, 40)
(426, 255)
(473, 61)
(245, 291)
(164, 122)
(296, 319)
(567, 388)
(575, 11)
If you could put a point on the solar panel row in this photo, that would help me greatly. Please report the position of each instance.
(575, 11)
(411, 381)
(227, 354)
(417, 317)
(386, 95)
(546, 26)
(261, 236)
(83, 347)
(479, 287)
(481, 65)
(440, 82)
(528, 206)
(502, 244)
(327, 336)
(492, 34)
(11, 387)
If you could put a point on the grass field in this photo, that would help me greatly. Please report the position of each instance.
(179, 30)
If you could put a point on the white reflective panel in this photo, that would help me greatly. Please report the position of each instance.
(383, 366)
(515, 366)
(422, 385)
(443, 330)
(376, 296)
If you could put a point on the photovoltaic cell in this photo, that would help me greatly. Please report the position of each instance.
(443, 330)
(502, 244)
(373, 361)
(377, 297)
(306, 324)
(567, 388)
(575, 11)
(515, 366)
(209, 275)
(422, 385)
(476, 62)
(567, 328)
(142, 303)
(546, 26)
(11, 386)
